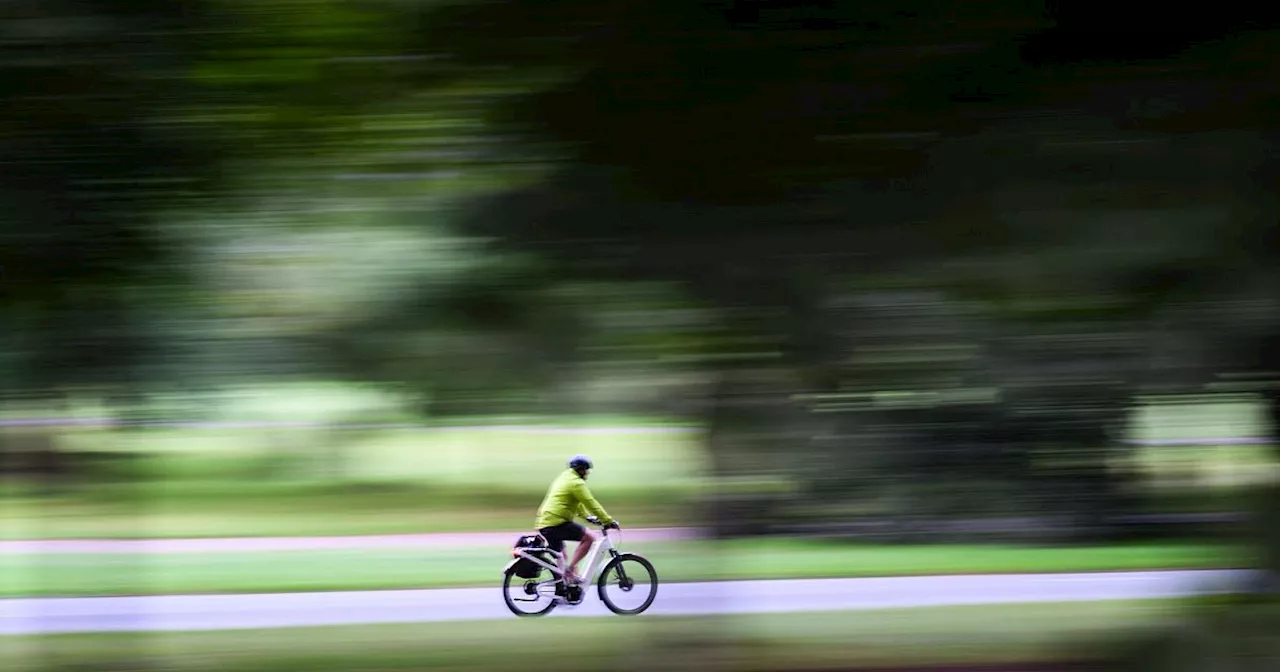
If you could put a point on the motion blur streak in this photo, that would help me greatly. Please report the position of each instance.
(828, 291)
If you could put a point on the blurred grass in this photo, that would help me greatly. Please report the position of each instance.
(184, 482)
(311, 401)
(498, 458)
(791, 642)
(171, 510)
(255, 482)
(1203, 417)
(355, 569)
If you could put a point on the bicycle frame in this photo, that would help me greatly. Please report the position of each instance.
(594, 564)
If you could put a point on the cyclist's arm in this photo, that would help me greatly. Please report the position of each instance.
(589, 504)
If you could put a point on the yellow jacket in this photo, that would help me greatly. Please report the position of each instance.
(567, 499)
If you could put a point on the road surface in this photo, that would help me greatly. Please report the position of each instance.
(228, 612)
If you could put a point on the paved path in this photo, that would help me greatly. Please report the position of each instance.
(226, 612)
(266, 544)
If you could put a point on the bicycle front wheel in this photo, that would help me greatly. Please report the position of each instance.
(628, 584)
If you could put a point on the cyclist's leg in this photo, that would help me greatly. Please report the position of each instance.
(555, 542)
(556, 535)
(585, 540)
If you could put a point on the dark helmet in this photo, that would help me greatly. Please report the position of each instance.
(579, 462)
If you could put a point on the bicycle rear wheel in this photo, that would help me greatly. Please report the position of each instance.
(529, 597)
(630, 580)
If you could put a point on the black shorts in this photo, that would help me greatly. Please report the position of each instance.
(556, 535)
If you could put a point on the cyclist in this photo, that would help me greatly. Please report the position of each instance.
(567, 498)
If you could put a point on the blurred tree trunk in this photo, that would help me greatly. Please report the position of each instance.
(1236, 632)
(1268, 514)
(30, 453)
(727, 413)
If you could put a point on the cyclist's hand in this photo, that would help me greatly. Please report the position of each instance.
(613, 525)
(593, 520)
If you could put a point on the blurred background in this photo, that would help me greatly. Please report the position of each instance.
(826, 290)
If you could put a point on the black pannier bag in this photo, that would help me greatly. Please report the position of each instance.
(526, 568)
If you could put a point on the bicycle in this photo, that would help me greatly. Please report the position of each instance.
(530, 564)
